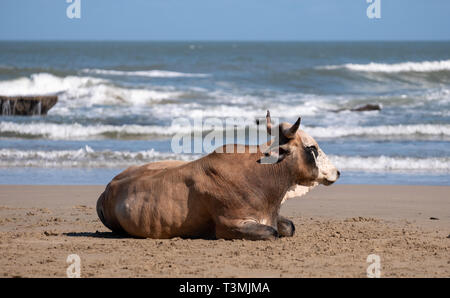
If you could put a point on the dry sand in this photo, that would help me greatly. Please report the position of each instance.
(337, 228)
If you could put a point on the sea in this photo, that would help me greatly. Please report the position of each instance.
(118, 102)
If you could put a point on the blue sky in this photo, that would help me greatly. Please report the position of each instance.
(224, 20)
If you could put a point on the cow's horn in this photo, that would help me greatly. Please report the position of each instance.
(269, 123)
(290, 133)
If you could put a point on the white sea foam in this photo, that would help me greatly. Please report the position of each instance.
(84, 157)
(391, 164)
(45, 83)
(102, 97)
(78, 131)
(381, 131)
(425, 66)
(84, 91)
(88, 158)
(246, 107)
(145, 73)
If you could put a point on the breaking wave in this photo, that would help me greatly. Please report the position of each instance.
(425, 66)
(391, 164)
(84, 91)
(146, 73)
(78, 131)
(88, 158)
(84, 158)
(45, 83)
(381, 131)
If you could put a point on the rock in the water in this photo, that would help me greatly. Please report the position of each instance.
(367, 107)
(363, 108)
(26, 105)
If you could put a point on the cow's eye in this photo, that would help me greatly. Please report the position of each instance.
(312, 150)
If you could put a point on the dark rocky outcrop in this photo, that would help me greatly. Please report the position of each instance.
(367, 107)
(363, 108)
(26, 105)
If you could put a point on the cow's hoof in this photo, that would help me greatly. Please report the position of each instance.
(286, 228)
(267, 233)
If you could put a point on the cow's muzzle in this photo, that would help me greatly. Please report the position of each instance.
(330, 180)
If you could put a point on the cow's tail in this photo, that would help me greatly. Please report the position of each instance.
(106, 213)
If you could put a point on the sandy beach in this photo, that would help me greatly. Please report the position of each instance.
(337, 227)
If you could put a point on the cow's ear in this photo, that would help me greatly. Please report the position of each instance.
(276, 154)
(283, 152)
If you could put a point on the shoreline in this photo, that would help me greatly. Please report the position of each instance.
(337, 227)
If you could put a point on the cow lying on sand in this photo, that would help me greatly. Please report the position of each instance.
(221, 195)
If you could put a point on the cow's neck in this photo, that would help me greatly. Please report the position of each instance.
(274, 179)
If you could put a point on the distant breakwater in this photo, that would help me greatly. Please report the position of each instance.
(26, 105)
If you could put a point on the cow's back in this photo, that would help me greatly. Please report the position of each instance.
(149, 169)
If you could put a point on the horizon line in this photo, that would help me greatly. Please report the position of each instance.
(224, 40)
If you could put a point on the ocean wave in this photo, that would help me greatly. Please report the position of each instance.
(78, 131)
(145, 73)
(425, 66)
(86, 91)
(380, 131)
(45, 83)
(247, 113)
(78, 91)
(391, 164)
(102, 97)
(86, 157)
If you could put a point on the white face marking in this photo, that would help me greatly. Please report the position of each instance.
(327, 171)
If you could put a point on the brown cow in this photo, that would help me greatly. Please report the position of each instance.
(221, 195)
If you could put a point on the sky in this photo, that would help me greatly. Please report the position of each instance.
(302, 20)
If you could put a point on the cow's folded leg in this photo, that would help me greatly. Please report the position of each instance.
(246, 230)
(285, 227)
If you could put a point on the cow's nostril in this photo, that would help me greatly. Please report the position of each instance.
(338, 173)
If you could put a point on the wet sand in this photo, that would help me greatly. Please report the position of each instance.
(337, 227)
